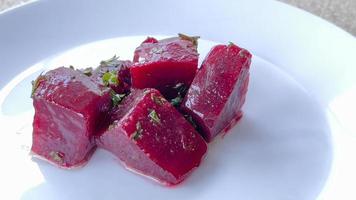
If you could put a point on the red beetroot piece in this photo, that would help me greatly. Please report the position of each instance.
(152, 138)
(114, 73)
(69, 109)
(165, 63)
(218, 91)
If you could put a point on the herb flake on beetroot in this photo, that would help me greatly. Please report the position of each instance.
(110, 78)
(110, 62)
(157, 100)
(88, 71)
(36, 83)
(56, 156)
(138, 132)
(116, 98)
(154, 117)
(193, 39)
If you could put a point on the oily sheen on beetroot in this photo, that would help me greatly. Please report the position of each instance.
(155, 113)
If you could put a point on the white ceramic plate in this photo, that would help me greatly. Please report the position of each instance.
(296, 140)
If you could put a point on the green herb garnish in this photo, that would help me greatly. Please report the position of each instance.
(56, 156)
(193, 39)
(138, 132)
(181, 90)
(36, 83)
(176, 101)
(110, 62)
(88, 71)
(110, 78)
(230, 44)
(116, 98)
(154, 117)
(158, 100)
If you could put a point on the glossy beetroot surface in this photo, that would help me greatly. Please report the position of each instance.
(151, 137)
(113, 69)
(69, 108)
(218, 91)
(165, 63)
(152, 113)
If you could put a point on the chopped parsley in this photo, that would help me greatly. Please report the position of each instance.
(158, 100)
(88, 71)
(138, 132)
(193, 39)
(154, 117)
(230, 44)
(181, 90)
(110, 78)
(176, 101)
(56, 156)
(110, 62)
(116, 98)
(36, 83)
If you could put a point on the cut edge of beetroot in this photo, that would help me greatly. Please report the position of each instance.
(157, 172)
(159, 182)
(244, 75)
(80, 165)
(238, 113)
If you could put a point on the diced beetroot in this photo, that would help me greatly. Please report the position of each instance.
(69, 109)
(152, 138)
(164, 64)
(150, 40)
(218, 91)
(114, 73)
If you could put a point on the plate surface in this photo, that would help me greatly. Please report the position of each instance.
(276, 149)
(280, 150)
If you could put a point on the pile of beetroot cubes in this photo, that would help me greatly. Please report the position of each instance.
(155, 114)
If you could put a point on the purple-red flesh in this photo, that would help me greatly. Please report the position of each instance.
(218, 91)
(69, 109)
(152, 138)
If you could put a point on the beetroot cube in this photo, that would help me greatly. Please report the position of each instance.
(152, 138)
(164, 64)
(114, 73)
(69, 109)
(218, 91)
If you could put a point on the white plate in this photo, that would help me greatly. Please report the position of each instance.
(302, 89)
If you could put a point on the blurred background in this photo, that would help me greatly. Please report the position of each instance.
(340, 12)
